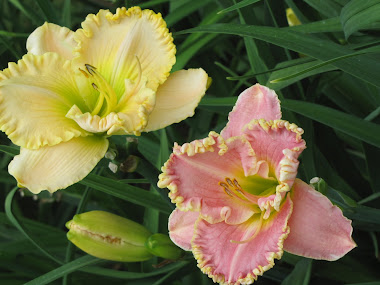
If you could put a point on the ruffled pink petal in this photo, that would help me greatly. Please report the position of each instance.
(195, 170)
(240, 263)
(256, 102)
(181, 227)
(279, 143)
(318, 229)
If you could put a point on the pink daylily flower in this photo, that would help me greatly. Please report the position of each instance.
(239, 203)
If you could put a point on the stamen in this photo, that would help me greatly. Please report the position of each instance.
(90, 68)
(128, 94)
(259, 226)
(105, 91)
(83, 72)
(226, 189)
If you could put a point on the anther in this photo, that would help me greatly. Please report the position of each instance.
(229, 182)
(83, 72)
(90, 68)
(95, 86)
(226, 189)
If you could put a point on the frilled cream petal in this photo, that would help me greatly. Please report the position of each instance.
(256, 102)
(135, 106)
(51, 38)
(177, 98)
(57, 167)
(94, 123)
(201, 175)
(238, 254)
(181, 227)
(318, 229)
(279, 144)
(35, 95)
(119, 44)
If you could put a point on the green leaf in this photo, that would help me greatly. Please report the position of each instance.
(184, 11)
(134, 275)
(20, 227)
(361, 66)
(218, 102)
(280, 78)
(348, 124)
(126, 192)
(300, 274)
(323, 26)
(48, 10)
(11, 150)
(66, 13)
(13, 35)
(27, 11)
(372, 159)
(64, 269)
(360, 15)
(327, 8)
(241, 4)
(322, 64)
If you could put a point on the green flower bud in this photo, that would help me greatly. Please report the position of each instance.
(162, 246)
(109, 236)
(319, 184)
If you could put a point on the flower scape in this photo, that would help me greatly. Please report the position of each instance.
(238, 202)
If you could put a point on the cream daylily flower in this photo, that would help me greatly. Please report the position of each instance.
(72, 90)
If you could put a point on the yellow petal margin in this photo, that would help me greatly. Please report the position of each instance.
(57, 167)
(51, 38)
(116, 44)
(35, 95)
(177, 98)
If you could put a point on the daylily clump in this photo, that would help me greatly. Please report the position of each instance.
(72, 90)
(239, 203)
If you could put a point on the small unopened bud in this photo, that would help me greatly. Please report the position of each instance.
(110, 154)
(113, 167)
(109, 236)
(162, 246)
(319, 184)
(130, 164)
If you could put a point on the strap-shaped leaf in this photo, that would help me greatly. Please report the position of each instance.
(126, 192)
(361, 66)
(360, 15)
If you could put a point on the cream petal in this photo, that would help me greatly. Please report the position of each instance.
(57, 167)
(35, 95)
(94, 124)
(177, 98)
(51, 38)
(135, 106)
(119, 44)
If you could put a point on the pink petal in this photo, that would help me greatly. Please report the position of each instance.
(234, 263)
(194, 171)
(181, 227)
(279, 143)
(318, 229)
(256, 102)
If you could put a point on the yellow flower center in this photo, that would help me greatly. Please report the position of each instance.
(259, 187)
(107, 99)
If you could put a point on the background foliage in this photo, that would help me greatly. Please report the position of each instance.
(327, 75)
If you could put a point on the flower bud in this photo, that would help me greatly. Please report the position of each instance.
(162, 246)
(109, 236)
